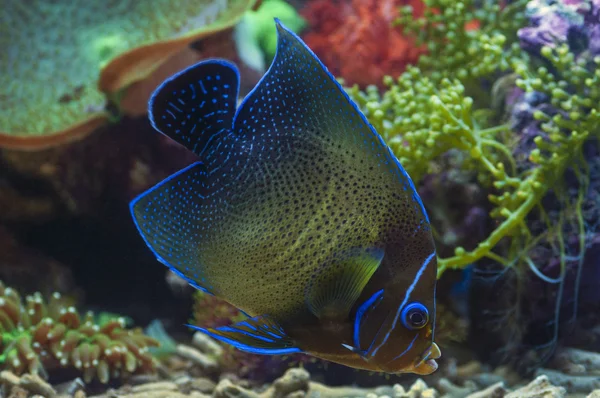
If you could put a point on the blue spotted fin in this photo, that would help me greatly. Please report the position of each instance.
(258, 335)
(333, 292)
(196, 106)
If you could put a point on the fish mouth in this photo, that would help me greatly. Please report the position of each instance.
(426, 363)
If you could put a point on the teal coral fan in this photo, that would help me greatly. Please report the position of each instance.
(38, 337)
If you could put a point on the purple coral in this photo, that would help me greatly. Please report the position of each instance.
(555, 22)
(527, 317)
(552, 23)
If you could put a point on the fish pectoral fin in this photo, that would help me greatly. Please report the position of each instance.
(333, 292)
(258, 335)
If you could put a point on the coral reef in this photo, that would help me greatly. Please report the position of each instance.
(498, 125)
(534, 168)
(554, 22)
(356, 39)
(295, 382)
(40, 337)
(577, 370)
(213, 312)
(87, 50)
(456, 205)
(424, 115)
(465, 39)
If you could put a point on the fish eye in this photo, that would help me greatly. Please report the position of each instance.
(415, 316)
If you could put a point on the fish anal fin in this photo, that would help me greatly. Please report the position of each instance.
(336, 288)
(196, 106)
(258, 335)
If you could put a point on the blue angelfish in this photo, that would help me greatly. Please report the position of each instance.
(297, 213)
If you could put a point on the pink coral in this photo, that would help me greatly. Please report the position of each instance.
(356, 39)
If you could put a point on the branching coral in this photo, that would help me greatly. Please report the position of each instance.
(423, 115)
(38, 337)
(356, 39)
(465, 39)
(534, 168)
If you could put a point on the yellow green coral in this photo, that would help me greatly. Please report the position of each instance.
(465, 38)
(39, 336)
(54, 51)
(429, 110)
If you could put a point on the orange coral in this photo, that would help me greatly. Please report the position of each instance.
(356, 39)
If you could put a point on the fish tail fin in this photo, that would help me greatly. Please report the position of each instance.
(196, 106)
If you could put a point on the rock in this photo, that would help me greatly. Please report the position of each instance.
(33, 383)
(226, 389)
(161, 385)
(206, 344)
(295, 379)
(206, 362)
(580, 384)
(538, 388)
(494, 391)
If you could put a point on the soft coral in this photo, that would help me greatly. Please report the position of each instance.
(356, 39)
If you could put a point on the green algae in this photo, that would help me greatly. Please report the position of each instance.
(256, 37)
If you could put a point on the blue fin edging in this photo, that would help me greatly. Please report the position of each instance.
(132, 208)
(258, 335)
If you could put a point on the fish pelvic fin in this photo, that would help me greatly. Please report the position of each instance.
(196, 106)
(165, 217)
(335, 289)
(258, 335)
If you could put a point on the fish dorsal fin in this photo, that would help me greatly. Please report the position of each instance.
(258, 335)
(196, 106)
(298, 100)
(333, 291)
